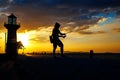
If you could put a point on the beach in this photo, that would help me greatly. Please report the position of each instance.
(69, 67)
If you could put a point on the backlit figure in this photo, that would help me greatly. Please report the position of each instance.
(56, 41)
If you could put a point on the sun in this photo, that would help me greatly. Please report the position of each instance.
(24, 38)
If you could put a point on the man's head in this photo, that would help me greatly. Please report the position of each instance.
(57, 25)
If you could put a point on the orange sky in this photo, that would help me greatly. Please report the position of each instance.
(38, 40)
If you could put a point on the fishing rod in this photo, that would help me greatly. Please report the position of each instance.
(65, 34)
(68, 32)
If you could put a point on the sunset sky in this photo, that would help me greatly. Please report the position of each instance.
(90, 24)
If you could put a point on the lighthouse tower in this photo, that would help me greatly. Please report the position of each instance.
(11, 46)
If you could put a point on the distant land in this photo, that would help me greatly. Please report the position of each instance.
(67, 52)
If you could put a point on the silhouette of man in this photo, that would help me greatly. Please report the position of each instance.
(56, 41)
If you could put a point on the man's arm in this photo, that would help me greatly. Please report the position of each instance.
(62, 34)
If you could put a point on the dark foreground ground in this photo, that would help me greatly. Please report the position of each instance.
(70, 67)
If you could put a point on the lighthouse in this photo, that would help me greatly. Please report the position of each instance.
(11, 45)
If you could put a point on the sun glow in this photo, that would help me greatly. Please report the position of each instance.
(24, 38)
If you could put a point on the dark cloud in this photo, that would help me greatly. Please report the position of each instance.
(116, 30)
(39, 39)
(64, 3)
(73, 3)
(91, 32)
(36, 13)
(98, 3)
(4, 3)
(82, 30)
(93, 3)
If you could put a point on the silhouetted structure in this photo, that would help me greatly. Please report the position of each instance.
(11, 46)
(56, 41)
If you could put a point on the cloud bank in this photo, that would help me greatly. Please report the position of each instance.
(77, 15)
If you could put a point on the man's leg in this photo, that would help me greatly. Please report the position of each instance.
(54, 48)
(61, 47)
(61, 50)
